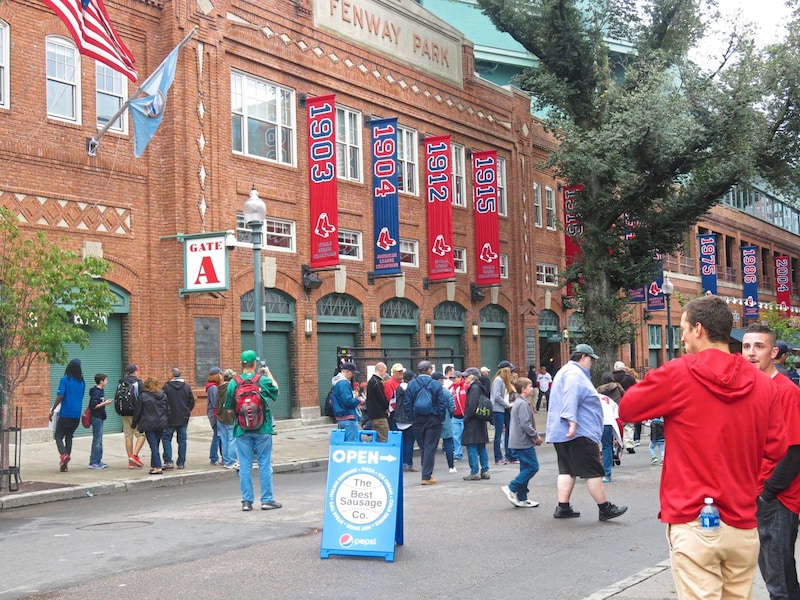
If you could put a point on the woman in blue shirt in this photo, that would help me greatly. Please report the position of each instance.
(70, 393)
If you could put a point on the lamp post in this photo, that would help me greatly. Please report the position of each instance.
(254, 212)
(668, 288)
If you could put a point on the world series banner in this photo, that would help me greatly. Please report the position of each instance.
(783, 284)
(708, 262)
(655, 295)
(487, 221)
(439, 197)
(385, 207)
(750, 281)
(573, 228)
(322, 189)
(634, 294)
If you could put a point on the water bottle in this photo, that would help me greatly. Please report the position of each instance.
(709, 516)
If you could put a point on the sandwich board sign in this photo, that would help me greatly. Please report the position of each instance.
(364, 499)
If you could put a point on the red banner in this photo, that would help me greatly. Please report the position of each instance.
(487, 223)
(322, 190)
(783, 284)
(573, 228)
(439, 196)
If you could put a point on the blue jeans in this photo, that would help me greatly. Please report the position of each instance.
(608, 447)
(97, 441)
(408, 446)
(656, 444)
(447, 446)
(215, 451)
(154, 439)
(474, 453)
(428, 431)
(225, 433)
(458, 429)
(350, 428)
(528, 467)
(499, 422)
(260, 445)
(777, 530)
(181, 431)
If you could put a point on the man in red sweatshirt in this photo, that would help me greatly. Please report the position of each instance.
(722, 418)
(779, 502)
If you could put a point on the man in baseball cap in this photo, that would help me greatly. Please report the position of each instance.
(344, 402)
(425, 404)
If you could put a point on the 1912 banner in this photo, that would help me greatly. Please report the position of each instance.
(487, 222)
(783, 284)
(708, 262)
(439, 198)
(385, 211)
(322, 190)
(750, 281)
(573, 228)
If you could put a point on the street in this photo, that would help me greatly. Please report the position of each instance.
(462, 539)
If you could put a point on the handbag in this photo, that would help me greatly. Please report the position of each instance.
(86, 417)
(484, 409)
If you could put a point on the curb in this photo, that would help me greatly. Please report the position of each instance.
(105, 488)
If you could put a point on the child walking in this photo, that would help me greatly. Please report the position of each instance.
(97, 404)
(523, 438)
(657, 440)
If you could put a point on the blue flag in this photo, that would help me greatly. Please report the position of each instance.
(148, 110)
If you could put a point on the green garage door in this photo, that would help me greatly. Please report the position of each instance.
(396, 347)
(491, 348)
(276, 355)
(327, 344)
(449, 340)
(103, 355)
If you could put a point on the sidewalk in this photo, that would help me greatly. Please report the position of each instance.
(295, 449)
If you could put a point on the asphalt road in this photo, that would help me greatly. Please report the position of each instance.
(462, 540)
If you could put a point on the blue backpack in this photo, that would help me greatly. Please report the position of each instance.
(423, 403)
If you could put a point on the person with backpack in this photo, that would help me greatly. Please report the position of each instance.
(345, 402)
(248, 395)
(425, 406)
(125, 398)
(225, 420)
(212, 406)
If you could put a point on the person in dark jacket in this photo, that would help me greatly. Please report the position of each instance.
(150, 416)
(377, 405)
(425, 404)
(181, 403)
(476, 433)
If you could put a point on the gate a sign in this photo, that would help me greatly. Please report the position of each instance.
(205, 262)
(364, 499)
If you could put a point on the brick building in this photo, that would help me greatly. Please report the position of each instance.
(249, 69)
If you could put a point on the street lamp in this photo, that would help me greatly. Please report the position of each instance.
(668, 288)
(254, 212)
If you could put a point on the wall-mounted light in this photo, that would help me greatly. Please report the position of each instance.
(373, 328)
(475, 331)
(428, 329)
(308, 326)
(565, 334)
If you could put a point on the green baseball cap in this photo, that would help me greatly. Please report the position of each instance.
(249, 356)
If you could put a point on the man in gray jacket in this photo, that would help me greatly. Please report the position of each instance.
(181, 403)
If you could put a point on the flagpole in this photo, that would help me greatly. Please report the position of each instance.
(93, 142)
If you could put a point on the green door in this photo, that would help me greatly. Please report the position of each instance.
(491, 348)
(102, 355)
(449, 340)
(327, 343)
(396, 347)
(276, 355)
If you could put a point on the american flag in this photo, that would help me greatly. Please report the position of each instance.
(95, 36)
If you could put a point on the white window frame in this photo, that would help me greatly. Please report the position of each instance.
(502, 199)
(537, 204)
(550, 207)
(459, 258)
(409, 247)
(120, 83)
(407, 161)
(55, 42)
(289, 233)
(546, 274)
(285, 124)
(459, 179)
(503, 266)
(355, 243)
(5, 67)
(346, 146)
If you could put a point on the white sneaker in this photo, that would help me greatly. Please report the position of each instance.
(512, 496)
(528, 504)
(453, 470)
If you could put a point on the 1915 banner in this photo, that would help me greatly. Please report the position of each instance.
(573, 228)
(487, 222)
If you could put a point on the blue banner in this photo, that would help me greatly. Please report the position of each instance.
(655, 295)
(708, 262)
(750, 281)
(385, 206)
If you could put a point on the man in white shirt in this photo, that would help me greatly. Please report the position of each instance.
(544, 380)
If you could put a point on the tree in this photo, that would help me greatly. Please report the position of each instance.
(48, 298)
(655, 139)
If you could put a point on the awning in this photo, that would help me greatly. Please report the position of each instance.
(737, 333)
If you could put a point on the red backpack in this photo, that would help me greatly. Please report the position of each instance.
(250, 409)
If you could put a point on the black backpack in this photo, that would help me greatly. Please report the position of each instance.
(125, 397)
(329, 405)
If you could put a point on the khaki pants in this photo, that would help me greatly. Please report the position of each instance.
(127, 431)
(381, 427)
(718, 565)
